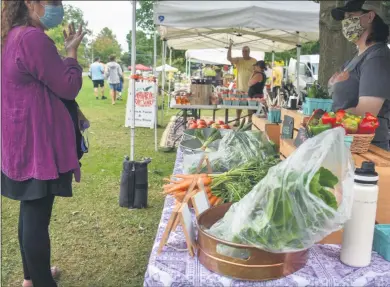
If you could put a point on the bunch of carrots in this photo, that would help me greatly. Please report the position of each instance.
(178, 188)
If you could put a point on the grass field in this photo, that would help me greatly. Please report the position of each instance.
(94, 241)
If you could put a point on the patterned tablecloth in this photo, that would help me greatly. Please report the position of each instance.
(175, 267)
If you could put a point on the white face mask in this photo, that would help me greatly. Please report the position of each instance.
(352, 29)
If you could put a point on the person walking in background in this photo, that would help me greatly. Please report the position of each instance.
(96, 72)
(244, 67)
(38, 139)
(119, 89)
(113, 74)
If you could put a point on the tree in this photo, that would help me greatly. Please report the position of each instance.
(75, 15)
(145, 15)
(106, 45)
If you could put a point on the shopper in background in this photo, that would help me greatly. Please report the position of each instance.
(38, 141)
(277, 75)
(96, 72)
(363, 84)
(119, 89)
(113, 74)
(244, 67)
(256, 85)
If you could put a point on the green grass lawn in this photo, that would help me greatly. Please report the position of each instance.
(94, 241)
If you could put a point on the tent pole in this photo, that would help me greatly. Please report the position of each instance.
(163, 81)
(169, 80)
(272, 65)
(155, 87)
(186, 66)
(298, 64)
(133, 59)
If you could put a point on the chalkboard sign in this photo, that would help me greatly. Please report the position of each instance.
(288, 127)
(301, 137)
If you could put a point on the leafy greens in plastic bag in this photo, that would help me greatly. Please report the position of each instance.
(299, 202)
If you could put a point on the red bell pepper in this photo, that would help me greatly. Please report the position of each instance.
(329, 118)
(370, 117)
(340, 114)
(368, 127)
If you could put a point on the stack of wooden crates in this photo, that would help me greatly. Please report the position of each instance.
(201, 94)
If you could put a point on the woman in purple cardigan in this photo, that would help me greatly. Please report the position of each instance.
(38, 141)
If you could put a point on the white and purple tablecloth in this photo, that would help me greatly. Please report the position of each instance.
(175, 267)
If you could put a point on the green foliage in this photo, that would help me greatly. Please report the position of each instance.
(106, 45)
(144, 47)
(310, 48)
(145, 15)
(76, 16)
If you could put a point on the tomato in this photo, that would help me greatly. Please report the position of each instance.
(202, 126)
(226, 127)
(193, 126)
(221, 122)
(203, 122)
(210, 123)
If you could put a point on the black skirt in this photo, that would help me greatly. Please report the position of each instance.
(32, 189)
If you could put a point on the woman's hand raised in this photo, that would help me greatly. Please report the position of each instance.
(73, 40)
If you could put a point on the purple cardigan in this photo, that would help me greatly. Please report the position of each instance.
(37, 133)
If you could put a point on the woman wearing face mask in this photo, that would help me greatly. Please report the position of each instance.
(38, 144)
(363, 85)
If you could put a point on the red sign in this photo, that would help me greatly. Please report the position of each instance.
(144, 99)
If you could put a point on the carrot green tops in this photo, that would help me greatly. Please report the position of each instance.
(37, 133)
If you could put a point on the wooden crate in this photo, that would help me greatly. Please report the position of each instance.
(381, 158)
(299, 119)
(201, 94)
(271, 129)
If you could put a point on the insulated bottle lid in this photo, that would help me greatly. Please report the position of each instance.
(366, 174)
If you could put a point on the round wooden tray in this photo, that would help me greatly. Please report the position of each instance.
(258, 266)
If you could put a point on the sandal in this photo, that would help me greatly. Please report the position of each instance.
(55, 272)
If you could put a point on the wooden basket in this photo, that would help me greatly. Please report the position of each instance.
(361, 143)
(260, 264)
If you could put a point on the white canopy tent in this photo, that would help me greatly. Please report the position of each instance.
(166, 68)
(269, 26)
(218, 56)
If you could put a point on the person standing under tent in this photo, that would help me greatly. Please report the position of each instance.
(113, 74)
(256, 84)
(38, 137)
(244, 67)
(362, 85)
(277, 74)
(96, 72)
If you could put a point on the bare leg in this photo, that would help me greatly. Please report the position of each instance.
(250, 114)
(238, 116)
(102, 92)
(96, 92)
(113, 96)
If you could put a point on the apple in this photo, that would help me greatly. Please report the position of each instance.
(201, 122)
(202, 126)
(221, 122)
(210, 123)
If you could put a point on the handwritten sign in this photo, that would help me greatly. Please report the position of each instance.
(288, 127)
(145, 105)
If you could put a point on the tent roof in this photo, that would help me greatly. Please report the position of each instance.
(141, 67)
(262, 25)
(218, 56)
(167, 68)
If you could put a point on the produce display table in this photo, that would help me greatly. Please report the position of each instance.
(175, 267)
(197, 108)
(271, 129)
(226, 108)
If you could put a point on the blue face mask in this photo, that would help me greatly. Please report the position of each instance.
(54, 14)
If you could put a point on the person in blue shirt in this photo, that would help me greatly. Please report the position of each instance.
(96, 73)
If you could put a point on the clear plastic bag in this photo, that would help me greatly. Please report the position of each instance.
(301, 200)
(234, 148)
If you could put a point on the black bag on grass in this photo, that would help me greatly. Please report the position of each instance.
(134, 184)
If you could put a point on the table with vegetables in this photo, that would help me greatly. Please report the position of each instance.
(282, 207)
